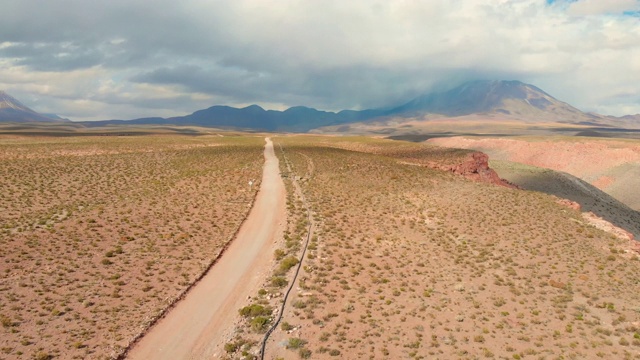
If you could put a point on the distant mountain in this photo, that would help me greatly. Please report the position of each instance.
(625, 121)
(12, 110)
(499, 99)
(513, 98)
(254, 117)
(9, 102)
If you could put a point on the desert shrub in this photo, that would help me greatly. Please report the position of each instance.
(41, 355)
(259, 323)
(279, 254)
(233, 346)
(6, 321)
(304, 353)
(230, 347)
(288, 262)
(299, 304)
(295, 343)
(254, 310)
(279, 281)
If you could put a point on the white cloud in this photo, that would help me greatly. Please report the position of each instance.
(598, 7)
(134, 58)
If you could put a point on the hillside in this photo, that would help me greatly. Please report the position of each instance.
(12, 110)
(612, 166)
(513, 98)
(567, 186)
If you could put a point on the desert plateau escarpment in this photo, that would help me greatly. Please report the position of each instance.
(612, 165)
(600, 174)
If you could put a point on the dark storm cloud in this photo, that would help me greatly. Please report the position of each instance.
(52, 57)
(336, 88)
(219, 81)
(140, 30)
(332, 89)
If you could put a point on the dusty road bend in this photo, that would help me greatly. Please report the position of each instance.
(195, 328)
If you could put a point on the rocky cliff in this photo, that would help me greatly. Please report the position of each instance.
(475, 166)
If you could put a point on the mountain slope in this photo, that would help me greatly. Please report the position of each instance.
(567, 186)
(511, 98)
(12, 110)
(9, 102)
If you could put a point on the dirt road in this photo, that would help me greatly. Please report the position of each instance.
(195, 328)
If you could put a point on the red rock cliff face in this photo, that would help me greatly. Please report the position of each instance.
(476, 167)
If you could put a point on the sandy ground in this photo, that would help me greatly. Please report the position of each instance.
(195, 328)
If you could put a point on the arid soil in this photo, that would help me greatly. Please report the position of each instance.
(430, 126)
(610, 165)
(408, 257)
(197, 326)
(472, 165)
(101, 234)
(413, 262)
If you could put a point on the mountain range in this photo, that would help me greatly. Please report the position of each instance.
(505, 99)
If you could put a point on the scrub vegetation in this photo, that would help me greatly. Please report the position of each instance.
(411, 262)
(100, 234)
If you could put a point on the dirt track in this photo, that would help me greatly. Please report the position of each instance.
(195, 328)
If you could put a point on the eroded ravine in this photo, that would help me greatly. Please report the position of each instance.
(195, 328)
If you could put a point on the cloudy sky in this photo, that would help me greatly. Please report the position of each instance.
(91, 59)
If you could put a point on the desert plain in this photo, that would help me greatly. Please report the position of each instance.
(251, 180)
(389, 249)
